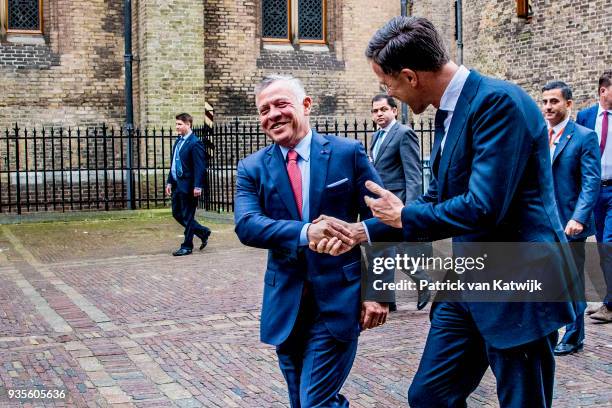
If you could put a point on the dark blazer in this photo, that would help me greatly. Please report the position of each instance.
(266, 216)
(397, 162)
(577, 176)
(494, 184)
(193, 161)
(587, 117)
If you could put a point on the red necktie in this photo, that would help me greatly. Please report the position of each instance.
(551, 137)
(604, 132)
(295, 178)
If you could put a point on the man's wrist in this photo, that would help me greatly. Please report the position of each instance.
(359, 232)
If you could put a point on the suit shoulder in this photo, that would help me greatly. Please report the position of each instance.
(584, 132)
(257, 157)
(342, 142)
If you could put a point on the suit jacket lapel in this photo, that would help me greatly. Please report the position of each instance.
(593, 117)
(278, 171)
(385, 142)
(564, 139)
(319, 159)
(457, 124)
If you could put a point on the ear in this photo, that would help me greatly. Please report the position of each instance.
(410, 77)
(307, 103)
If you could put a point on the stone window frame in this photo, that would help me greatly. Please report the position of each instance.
(293, 27)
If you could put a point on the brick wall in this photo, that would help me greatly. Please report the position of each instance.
(337, 76)
(169, 46)
(74, 76)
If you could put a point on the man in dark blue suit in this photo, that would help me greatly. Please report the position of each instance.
(312, 309)
(492, 182)
(185, 182)
(576, 168)
(599, 118)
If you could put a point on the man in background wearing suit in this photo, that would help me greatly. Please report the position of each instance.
(599, 118)
(185, 182)
(312, 309)
(395, 154)
(491, 182)
(574, 152)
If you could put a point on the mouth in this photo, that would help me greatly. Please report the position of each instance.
(277, 125)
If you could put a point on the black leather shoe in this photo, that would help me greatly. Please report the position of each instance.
(563, 349)
(182, 252)
(205, 239)
(423, 299)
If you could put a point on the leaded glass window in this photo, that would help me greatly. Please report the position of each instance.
(310, 20)
(293, 20)
(275, 19)
(24, 16)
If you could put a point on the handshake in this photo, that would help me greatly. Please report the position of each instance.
(329, 235)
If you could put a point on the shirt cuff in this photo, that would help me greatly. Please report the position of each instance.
(197, 189)
(365, 227)
(304, 235)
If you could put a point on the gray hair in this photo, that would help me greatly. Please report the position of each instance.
(295, 84)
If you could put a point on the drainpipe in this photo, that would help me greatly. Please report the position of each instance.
(129, 110)
(459, 30)
(404, 11)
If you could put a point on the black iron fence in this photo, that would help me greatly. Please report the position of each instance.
(78, 169)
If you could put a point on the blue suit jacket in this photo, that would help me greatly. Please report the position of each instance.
(587, 117)
(193, 160)
(577, 176)
(266, 216)
(494, 184)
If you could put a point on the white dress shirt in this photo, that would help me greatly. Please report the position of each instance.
(557, 129)
(606, 156)
(449, 99)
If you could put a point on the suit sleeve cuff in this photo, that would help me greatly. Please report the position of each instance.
(304, 235)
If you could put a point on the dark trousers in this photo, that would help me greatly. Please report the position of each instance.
(603, 233)
(456, 357)
(183, 210)
(314, 363)
(574, 332)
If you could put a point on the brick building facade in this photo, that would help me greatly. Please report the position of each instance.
(188, 52)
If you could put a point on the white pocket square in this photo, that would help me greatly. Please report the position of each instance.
(337, 183)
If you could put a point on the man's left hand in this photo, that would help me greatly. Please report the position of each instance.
(197, 192)
(573, 227)
(387, 208)
(373, 314)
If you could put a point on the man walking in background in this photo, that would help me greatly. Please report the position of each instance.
(599, 118)
(396, 158)
(185, 183)
(576, 168)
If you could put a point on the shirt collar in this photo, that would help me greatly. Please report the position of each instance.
(302, 148)
(187, 135)
(389, 126)
(453, 90)
(600, 110)
(561, 125)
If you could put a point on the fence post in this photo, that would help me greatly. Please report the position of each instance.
(17, 175)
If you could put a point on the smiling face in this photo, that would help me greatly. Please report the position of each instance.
(403, 86)
(283, 117)
(555, 107)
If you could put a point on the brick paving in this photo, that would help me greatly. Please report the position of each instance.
(102, 310)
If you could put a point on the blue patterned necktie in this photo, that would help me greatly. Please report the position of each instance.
(178, 166)
(377, 143)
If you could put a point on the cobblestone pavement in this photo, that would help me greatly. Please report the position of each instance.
(103, 311)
